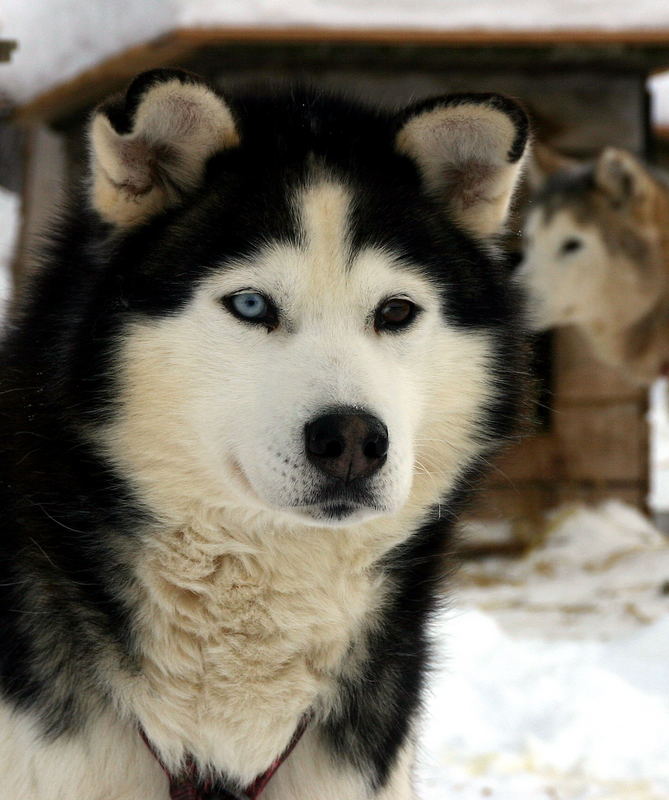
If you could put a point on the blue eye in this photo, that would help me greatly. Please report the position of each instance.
(252, 307)
(249, 305)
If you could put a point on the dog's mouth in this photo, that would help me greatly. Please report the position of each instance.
(334, 504)
(341, 505)
(336, 514)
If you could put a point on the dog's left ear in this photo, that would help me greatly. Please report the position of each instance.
(469, 149)
(623, 177)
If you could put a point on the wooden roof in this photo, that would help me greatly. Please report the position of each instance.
(644, 51)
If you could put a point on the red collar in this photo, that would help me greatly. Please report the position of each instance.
(188, 785)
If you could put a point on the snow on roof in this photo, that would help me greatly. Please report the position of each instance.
(432, 14)
(58, 39)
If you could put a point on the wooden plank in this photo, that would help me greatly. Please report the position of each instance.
(596, 441)
(526, 502)
(602, 442)
(633, 493)
(431, 37)
(180, 45)
(11, 157)
(536, 458)
(44, 180)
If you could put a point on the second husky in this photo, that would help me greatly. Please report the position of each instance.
(596, 256)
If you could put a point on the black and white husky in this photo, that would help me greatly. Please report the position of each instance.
(266, 354)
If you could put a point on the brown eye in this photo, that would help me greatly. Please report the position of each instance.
(395, 314)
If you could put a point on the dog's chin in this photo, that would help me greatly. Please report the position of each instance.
(335, 515)
(328, 507)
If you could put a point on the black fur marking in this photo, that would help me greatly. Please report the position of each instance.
(70, 522)
(564, 188)
(378, 707)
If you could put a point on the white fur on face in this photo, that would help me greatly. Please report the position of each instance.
(565, 286)
(214, 409)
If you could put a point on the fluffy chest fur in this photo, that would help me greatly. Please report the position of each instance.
(233, 635)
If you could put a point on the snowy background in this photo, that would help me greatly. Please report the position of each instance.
(80, 33)
(553, 669)
(554, 678)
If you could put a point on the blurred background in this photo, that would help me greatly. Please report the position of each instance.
(553, 680)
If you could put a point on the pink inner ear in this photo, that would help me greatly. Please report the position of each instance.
(468, 182)
(138, 162)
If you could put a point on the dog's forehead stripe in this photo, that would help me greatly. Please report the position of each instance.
(324, 214)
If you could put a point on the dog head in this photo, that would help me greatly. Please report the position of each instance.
(308, 320)
(592, 245)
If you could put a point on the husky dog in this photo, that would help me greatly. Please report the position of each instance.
(596, 256)
(267, 353)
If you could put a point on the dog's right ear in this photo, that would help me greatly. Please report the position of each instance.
(150, 147)
(623, 178)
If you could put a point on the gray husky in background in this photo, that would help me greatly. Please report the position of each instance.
(596, 256)
(268, 353)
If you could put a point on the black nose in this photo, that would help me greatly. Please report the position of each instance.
(347, 445)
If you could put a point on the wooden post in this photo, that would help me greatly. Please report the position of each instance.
(45, 171)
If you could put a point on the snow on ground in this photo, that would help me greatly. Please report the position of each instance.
(599, 572)
(553, 679)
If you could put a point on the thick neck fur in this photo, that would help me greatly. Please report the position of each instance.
(239, 625)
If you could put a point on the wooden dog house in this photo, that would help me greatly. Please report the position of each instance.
(586, 90)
